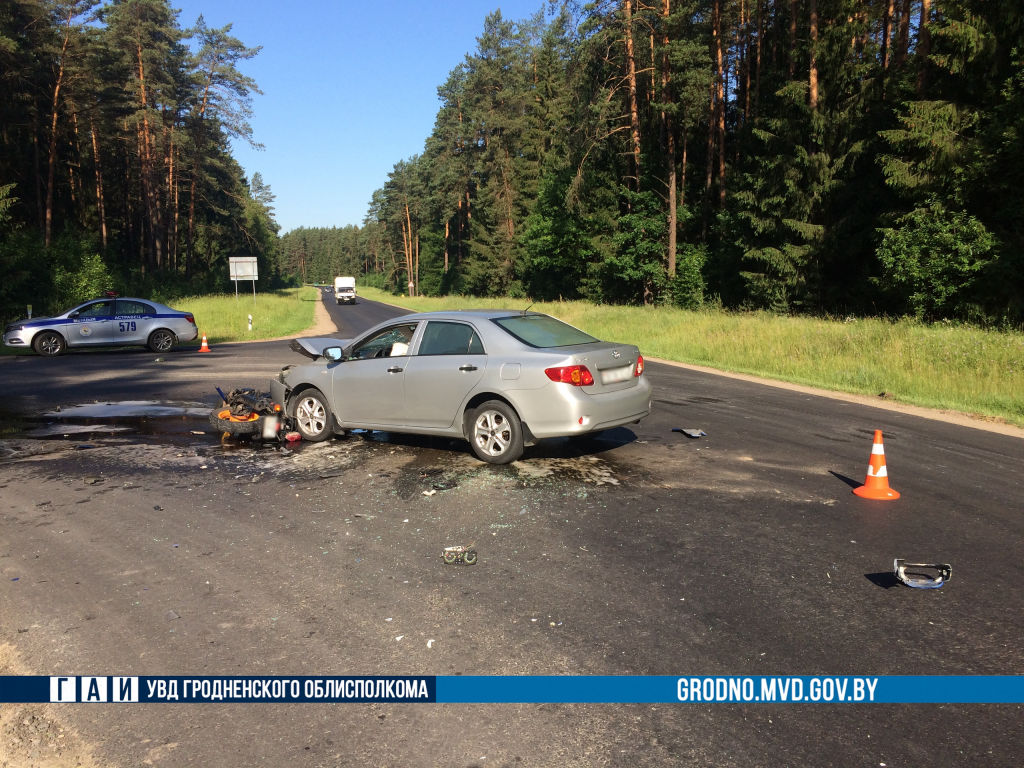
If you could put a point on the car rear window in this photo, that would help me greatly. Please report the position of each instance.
(543, 331)
(127, 307)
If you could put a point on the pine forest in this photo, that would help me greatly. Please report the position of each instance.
(825, 157)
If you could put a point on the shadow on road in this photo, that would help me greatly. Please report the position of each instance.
(885, 580)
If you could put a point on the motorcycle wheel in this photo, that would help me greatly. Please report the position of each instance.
(222, 419)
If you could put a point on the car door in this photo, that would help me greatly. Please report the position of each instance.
(90, 324)
(133, 321)
(449, 362)
(369, 386)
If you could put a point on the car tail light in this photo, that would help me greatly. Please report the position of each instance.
(577, 375)
(639, 369)
(191, 319)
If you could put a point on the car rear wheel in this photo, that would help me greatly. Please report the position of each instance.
(49, 344)
(161, 340)
(313, 419)
(496, 434)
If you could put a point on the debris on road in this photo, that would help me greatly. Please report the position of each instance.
(922, 575)
(459, 554)
(694, 433)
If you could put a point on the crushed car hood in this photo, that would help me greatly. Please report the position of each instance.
(314, 347)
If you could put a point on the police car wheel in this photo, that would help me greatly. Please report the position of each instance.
(161, 340)
(49, 344)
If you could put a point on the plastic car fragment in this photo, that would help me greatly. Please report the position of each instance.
(922, 575)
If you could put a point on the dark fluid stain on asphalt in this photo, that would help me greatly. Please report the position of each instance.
(431, 464)
(166, 420)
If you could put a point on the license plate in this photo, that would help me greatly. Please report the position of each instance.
(613, 375)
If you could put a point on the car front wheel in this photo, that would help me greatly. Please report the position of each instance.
(313, 419)
(49, 344)
(495, 433)
(161, 340)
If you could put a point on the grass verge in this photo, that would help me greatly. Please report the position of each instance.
(225, 317)
(946, 367)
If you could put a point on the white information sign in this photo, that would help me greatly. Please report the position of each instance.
(243, 268)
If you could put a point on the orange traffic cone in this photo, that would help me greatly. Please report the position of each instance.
(204, 347)
(876, 485)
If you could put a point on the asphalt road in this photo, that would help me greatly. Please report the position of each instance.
(144, 545)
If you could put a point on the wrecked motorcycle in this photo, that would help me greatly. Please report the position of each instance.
(249, 414)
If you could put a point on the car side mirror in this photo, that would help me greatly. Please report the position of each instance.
(333, 354)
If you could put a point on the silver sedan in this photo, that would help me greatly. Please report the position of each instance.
(111, 321)
(499, 379)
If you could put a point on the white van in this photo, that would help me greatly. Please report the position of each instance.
(345, 290)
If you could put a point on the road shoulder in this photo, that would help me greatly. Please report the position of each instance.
(949, 417)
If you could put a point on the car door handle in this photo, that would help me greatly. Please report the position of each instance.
(467, 368)
(395, 369)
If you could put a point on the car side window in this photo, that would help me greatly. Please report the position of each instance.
(98, 309)
(391, 342)
(446, 338)
(133, 308)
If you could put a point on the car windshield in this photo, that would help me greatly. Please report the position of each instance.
(543, 331)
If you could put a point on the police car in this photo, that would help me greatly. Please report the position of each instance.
(110, 321)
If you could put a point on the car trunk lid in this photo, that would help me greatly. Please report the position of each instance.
(613, 366)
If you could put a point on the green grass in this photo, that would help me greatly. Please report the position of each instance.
(225, 317)
(947, 367)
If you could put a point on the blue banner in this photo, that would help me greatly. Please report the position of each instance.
(567, 689)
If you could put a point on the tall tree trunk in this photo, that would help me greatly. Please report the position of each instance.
(924, 45)
(670, 141)
(51, 163)
(447, 232)
(652, 95)
(757, 76)
(793, 5)
(710, 155)
(634, 111)
(813, 79)
(75, 180)
(682, 169)
(200, 140)
(890, 10)
(100, 203)
(744, 67)
(903, 42)
(720, 99)
(407, 243)
(172, 214)
(152, 226)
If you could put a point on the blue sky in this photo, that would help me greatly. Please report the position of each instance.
(349, 89)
